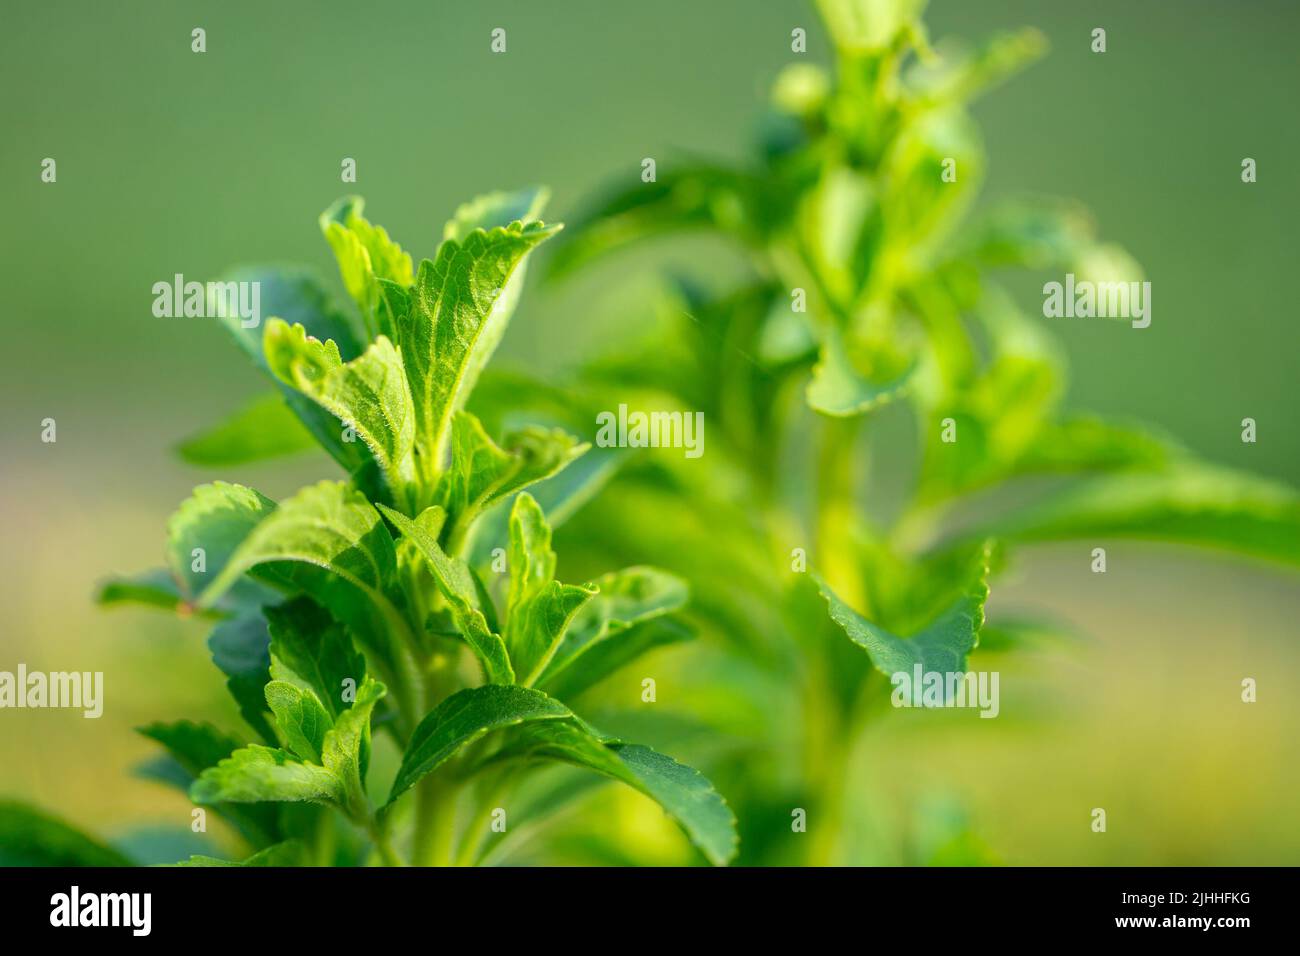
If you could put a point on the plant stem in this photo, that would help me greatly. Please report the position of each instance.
(835, 518)
(378, 831)
(435, 820)
(472, 839)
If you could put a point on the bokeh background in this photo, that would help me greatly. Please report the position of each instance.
(170, 161)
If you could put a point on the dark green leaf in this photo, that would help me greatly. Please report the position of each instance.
(239, 647)
(940, 647)
(30, 838)
(463, 717)
(264, 428)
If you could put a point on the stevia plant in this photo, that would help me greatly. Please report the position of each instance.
(870, 336)
(349, 609)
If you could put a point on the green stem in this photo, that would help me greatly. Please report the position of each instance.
(476, 832)
(378, 830)
(835, 517)
(435, 820)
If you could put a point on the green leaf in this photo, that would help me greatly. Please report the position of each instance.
(683, 198)
(286, 853)
(602, 658)
(624, 599)
(464, 717)
(297, 297)
(264, 428)
(561, 496)
(939, 647)
(239, 647)
(369, 394)
(839, 388)
(365, 255)
(685, 794)
(1035, 234)
(216, 518)
(326, 525)
(459, 310)
(156, 588)
(1087, 443)
(311, 649)
(483, 473)
(195, 747)
(30, 838)
(495, 209)
(539, 607)
(256, 773)
(1189, 503)
(456, 584)
(329, 541)
(861, 26)
(302, 720)
(346, 746)
(960, 79)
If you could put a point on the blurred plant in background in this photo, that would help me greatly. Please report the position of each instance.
(872, 326)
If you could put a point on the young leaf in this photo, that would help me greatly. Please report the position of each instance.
(264, 428)
(539, 607)
(496, 209)
(303, 722)
(458, 313)
(603, 657)
(683, 198)
(365, 255)
(624, 599)
(368, 394)
(346, 747)
(330, 542)
(965, 78)
(296, 297)
(838, 388)
(939, 647)
(482, 473)
(256, 773)
(456, 584)
(310, 647)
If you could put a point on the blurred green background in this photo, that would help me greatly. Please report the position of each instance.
(171, 161)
